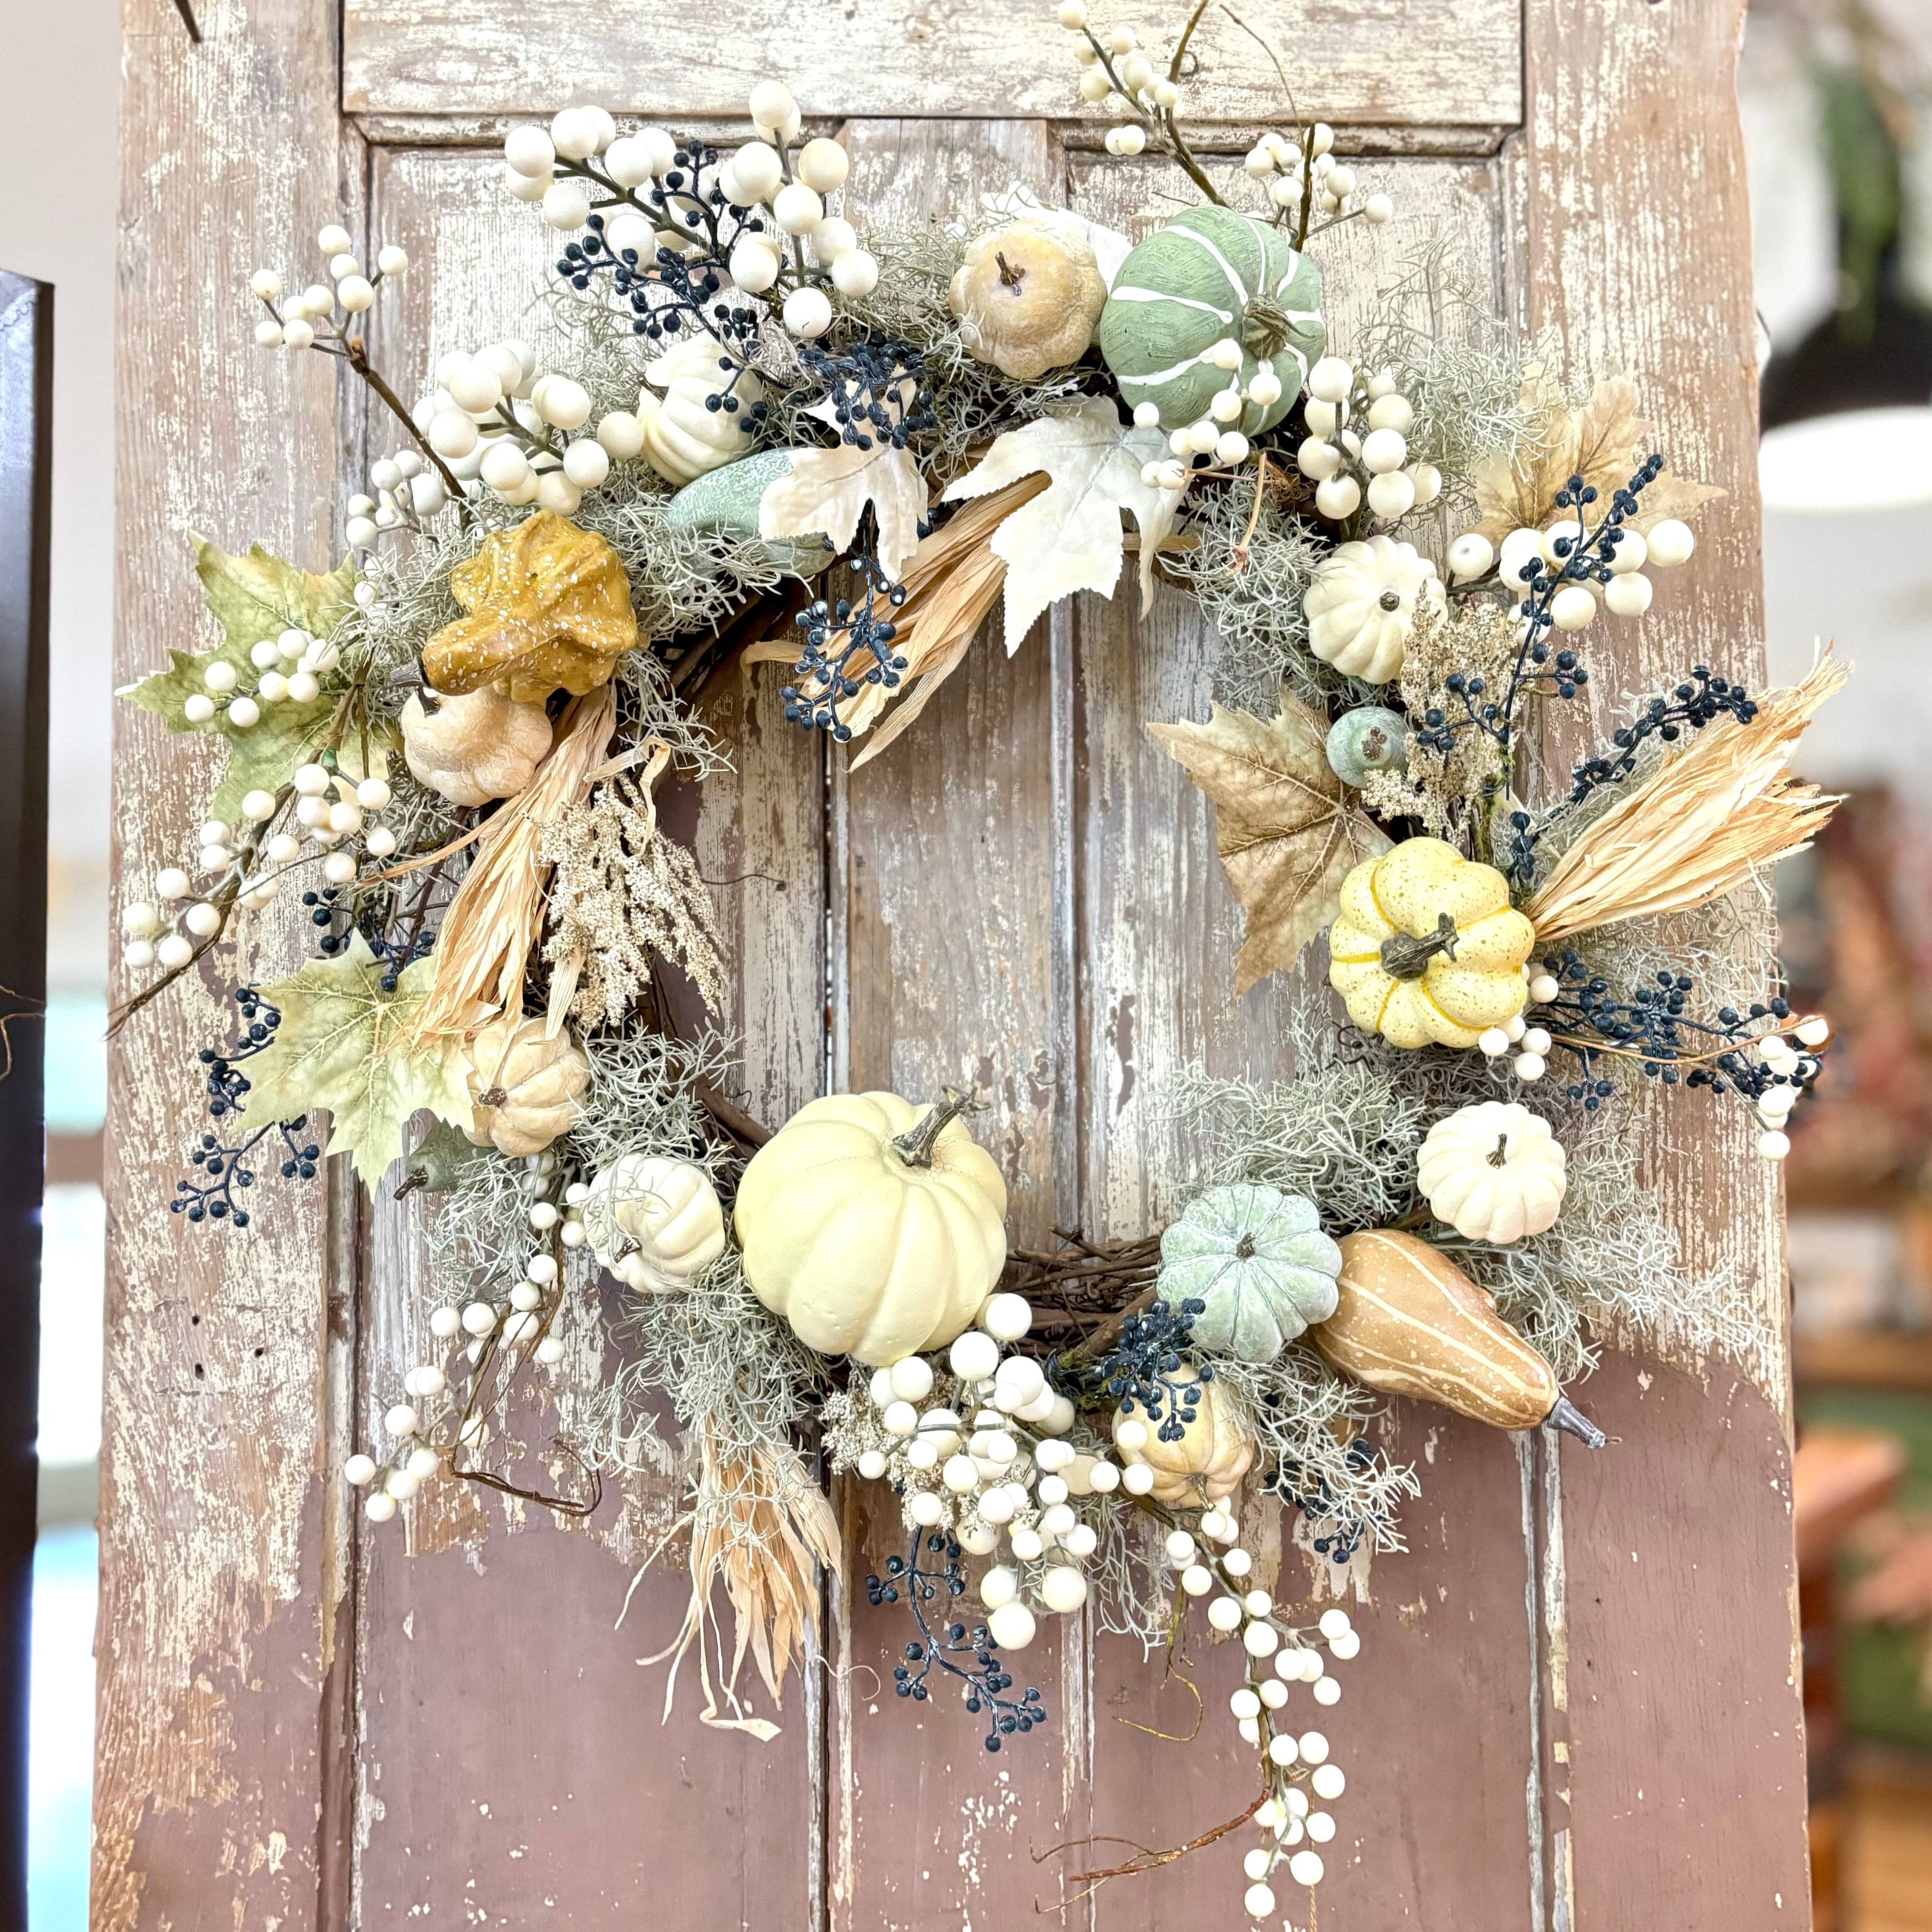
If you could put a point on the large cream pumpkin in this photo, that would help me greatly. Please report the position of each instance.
(875, 1226)
(1206, 1464)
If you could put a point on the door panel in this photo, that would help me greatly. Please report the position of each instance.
(1577, 1661)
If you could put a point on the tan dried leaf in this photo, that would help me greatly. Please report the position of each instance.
(1604, 442)
(1283, 824)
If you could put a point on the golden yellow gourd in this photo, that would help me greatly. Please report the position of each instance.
(1206, 1464)
(1427, 949)
(1028, 295)
(875, 1227)
(1408, 1321)
(547, 607)
(523, 1085)
(474, 748)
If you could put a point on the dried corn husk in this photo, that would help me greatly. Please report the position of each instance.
(953, 582)
(767, 1553)
(494, 918)
(1701, 826)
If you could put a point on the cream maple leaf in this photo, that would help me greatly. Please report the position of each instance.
(825, 492)
(1068, 538)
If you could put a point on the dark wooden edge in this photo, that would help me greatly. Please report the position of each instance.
(26, 467)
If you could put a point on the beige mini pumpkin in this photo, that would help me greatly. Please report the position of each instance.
(523, 1085)
(473, 748)
(875, 1227)
(683, 439)
(1362, 603)
(1208, 1462)
(1028, 296)
(655, 1223)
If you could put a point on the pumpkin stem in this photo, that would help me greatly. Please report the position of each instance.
(1405, 957)
(1244, 1248)
(1501, 1156)
(1009, 275)
(492, 1096)
(1265, 329)
(1567, 1416)
(914, 1146)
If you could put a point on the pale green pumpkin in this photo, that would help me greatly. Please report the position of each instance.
(1209, 275)
(726, 500)
(1259, 1260)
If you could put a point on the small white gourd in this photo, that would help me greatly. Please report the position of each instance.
(655, 1222)
(1494, 1172)
(683, 436)
(474, 748)
(1361, 606)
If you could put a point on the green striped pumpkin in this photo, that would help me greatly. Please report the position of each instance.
(1209, 274)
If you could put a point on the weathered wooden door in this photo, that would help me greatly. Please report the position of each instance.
(1577, 1703)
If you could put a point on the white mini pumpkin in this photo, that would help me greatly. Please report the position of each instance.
(1362, 603)
(655, 1222)
(474, 748)
(683, 436)
(1494, 1172)
(1208, 1462)
(875, 1227)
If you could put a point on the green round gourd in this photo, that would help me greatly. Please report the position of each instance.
(1371, 738)
(726, 500)
(1259, 1260)
(1210, 273)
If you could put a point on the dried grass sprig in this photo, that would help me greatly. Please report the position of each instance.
(1701, 826)
(483, 947)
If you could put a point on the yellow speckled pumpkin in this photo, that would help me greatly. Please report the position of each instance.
(1427, 949)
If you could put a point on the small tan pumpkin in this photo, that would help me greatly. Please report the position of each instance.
(1208, 1462)
(474, 748)
(1028, 295)
(523, 1085)
(1408, 1321)
(655, 1223)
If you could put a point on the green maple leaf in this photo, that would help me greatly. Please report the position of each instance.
(252, 598)
(343, 1044)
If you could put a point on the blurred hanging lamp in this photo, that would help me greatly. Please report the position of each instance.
(1846, 412)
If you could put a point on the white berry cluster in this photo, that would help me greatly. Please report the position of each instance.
(1530, 1045)
(1794, 1067)
(1006, 1475)
(308, 318)
(1357, 445)
(1114, 69)
(490, 1330)
(787, 244)
(495, 415)
(1296, 177)
(1668, 544)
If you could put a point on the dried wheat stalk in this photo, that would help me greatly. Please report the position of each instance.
(493, 920)
(767, 1553)
(1700, 827)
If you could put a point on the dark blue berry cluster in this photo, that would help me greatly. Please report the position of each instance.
(986, 1677)
(1653, 1025)
(224, 1167)
(1308, 1492)
(1143, 1369)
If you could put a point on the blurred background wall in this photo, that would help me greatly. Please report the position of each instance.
(1838, 105)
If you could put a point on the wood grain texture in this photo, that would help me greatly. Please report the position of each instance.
(1632, 145)
(218, 1600)
(1446, 63)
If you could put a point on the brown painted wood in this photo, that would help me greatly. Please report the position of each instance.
(1445, 63)
(1025, 892)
